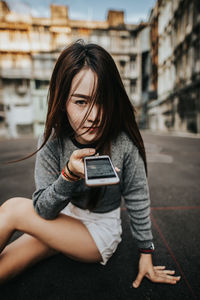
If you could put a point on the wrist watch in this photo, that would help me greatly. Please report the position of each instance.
(148, 250)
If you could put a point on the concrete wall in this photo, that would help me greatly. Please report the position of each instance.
(29, 48)
(177, 107)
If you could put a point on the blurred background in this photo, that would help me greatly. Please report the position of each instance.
(155, 44)
(156, 47)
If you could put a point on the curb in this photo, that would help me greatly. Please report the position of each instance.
(173, 134)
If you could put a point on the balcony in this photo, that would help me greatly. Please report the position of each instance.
(15, 73)
(43, 74)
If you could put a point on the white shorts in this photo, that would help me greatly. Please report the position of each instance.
(105, 228)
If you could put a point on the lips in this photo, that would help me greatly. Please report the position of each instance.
(92, 130)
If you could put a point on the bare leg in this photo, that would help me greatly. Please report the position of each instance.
(21, 254)
(6, 228)
(64, 234)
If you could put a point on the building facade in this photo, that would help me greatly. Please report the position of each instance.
(29, 48)
(145, 78)
(153, 24)
(177, 105)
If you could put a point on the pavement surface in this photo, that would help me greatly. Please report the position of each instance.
(174, 169)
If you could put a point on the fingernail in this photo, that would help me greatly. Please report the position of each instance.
(134, 285)
(92, 150)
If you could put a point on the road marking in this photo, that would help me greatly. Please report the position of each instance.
(173, 256)
(173, 134)
(165, 241)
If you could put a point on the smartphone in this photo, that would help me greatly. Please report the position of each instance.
(99, 171)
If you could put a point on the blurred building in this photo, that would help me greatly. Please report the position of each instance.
(153, 86)
(29, 47)
(145, 77)
(175, 82)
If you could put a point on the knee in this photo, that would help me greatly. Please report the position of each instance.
(14, 205)
(7, 212)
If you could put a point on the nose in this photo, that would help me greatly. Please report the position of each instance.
(93, 113)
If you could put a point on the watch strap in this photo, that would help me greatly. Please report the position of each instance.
(148, 250)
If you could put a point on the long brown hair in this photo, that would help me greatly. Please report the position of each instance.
(118, 113)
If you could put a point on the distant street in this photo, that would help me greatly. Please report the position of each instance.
(173, 163)
(174, 171)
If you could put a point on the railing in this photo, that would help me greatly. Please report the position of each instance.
(15, 72)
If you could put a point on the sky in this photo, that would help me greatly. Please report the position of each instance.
(135, 10)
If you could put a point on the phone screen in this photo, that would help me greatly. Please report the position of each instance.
(99, 168)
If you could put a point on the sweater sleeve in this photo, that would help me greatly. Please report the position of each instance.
(136, 195)
(52, 192)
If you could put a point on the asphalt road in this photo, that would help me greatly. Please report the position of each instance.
(174, 169)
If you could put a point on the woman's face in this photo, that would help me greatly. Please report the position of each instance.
(78, 104)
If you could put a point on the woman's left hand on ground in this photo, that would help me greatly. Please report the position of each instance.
(155, 274)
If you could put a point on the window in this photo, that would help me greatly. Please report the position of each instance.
(25, 129)
(1, 119)
(122, 63)
(133, 87)
(21, 86)
(41, 84)
(133, 63)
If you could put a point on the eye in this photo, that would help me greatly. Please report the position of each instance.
(81, 102)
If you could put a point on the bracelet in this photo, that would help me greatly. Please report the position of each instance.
(146, 251)
(70, 172)
(67, 177)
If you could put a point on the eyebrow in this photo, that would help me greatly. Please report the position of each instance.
(81, 96)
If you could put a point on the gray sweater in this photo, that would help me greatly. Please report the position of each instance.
(53, 192)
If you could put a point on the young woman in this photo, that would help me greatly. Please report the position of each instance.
(89, 112)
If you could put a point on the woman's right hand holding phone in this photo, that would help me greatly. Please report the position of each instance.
(76, 164)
